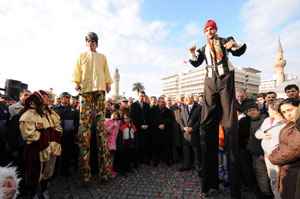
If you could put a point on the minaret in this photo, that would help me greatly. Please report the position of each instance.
(279, 64)
(116, 82)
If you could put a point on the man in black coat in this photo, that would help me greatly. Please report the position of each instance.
(176, 134)
(140, 113)
(161, 128)
(242, 99)
(69, 120)
(219, 105)
(4, 117)
(189, 123)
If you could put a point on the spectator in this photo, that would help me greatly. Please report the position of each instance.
(254, 146)
(247, 172)
(146, 99)
(130, 101)
(4, 117)
(223, 168)
(153, 101)
(125, 144)
(109, 109)
(57, 101)
(260, 99)
(4, 99)
(16, 147)
(112, 126)
(168, 102)
(270, 97)
(69, 121)
(242, 98)
(269, 134)
(74, 101)
(200, 99)
(116, 107)
(124, 103)
(161, 129)
(140, 112)
(177, 134)
(189, 123)
(287, 154)
(262, 104)
(292, 91)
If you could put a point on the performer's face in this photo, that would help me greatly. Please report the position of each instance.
(92, 45)
(210, 32)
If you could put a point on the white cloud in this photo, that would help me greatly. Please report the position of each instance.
(191, 29)
(42, 40)
(264, 21)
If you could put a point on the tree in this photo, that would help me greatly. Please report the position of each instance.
(138, 86)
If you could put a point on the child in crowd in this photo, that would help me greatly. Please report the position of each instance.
(112, 126)
(223, 169)
(269, 133)
(254, 146)
(247, 172)
(125, 144)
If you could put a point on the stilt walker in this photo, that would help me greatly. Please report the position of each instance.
(219, 105)
(92, 78)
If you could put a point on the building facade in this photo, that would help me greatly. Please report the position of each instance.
(192, 81)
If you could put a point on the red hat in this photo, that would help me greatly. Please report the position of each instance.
(210, 23)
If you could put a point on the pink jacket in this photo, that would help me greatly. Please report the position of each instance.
(112, 133)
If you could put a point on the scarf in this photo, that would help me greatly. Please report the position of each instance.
(216, 51)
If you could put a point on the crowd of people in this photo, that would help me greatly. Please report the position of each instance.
(151, 130)
(225, 136)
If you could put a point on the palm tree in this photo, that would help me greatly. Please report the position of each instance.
(138, 86)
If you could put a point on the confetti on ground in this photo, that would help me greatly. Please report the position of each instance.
(145, 182)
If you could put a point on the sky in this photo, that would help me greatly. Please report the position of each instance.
(146, 40)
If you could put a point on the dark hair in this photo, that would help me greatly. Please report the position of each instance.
(117, 106)
(39, 108)
(25, 90)
(290, 86)
(263, 95)
(142, 92)
(160, 98)
(250, 105)
(152, 97)
(275, 106)
(270, 93)
(115, 112)
(239, 90)
(127, 115)
(292, 101)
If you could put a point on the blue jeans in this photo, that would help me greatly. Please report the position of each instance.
(223, 169)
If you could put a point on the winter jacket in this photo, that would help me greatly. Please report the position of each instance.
(112, 132)
(254, 144)
(287, 157)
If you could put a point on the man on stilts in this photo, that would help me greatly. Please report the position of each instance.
(92, 78)
(219, 105)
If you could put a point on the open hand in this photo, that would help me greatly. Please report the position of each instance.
(161, 127)
(267, 136)
(230, 44)
(192, 49)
